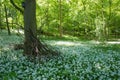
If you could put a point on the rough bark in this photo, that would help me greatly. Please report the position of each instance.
(30, 26)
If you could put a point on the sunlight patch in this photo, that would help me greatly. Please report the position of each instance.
(113, 42)
(109, 42)
(18, 31)
(67, 43)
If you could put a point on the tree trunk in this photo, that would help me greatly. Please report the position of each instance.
(30, 26)
(104, 31)
(0, 17)
(32, 46)
(109, 19)
(6, 16)
(85, 17)
(60, 18)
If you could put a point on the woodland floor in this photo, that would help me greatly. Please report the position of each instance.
(80, 60)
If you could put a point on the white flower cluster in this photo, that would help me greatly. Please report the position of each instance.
(79, 62)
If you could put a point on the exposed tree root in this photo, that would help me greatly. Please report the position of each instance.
(39, 48)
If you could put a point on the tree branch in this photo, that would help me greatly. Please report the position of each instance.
(19, 9)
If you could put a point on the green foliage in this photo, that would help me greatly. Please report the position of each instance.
(78, 17)
(79, 61)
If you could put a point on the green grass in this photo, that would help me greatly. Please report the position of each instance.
(79, 61)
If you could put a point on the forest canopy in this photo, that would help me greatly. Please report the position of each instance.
(90, 19)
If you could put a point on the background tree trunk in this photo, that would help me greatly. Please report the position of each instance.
(60, 18)
(0, 15)
(6, 17)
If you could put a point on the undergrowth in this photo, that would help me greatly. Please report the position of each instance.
(79, 61)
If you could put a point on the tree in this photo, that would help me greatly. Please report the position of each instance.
(6, 17)
(32, 46)
(0, 15)
(60, 17)
(30, 27)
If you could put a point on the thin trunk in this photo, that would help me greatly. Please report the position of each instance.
(6, 17)
(85, 19)
(13, 18)
(46, 18)
(60, 18)
(12, 22)
(110, 11)
(110, 4)
(47, 14)
(0, 16)
(103, 33)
